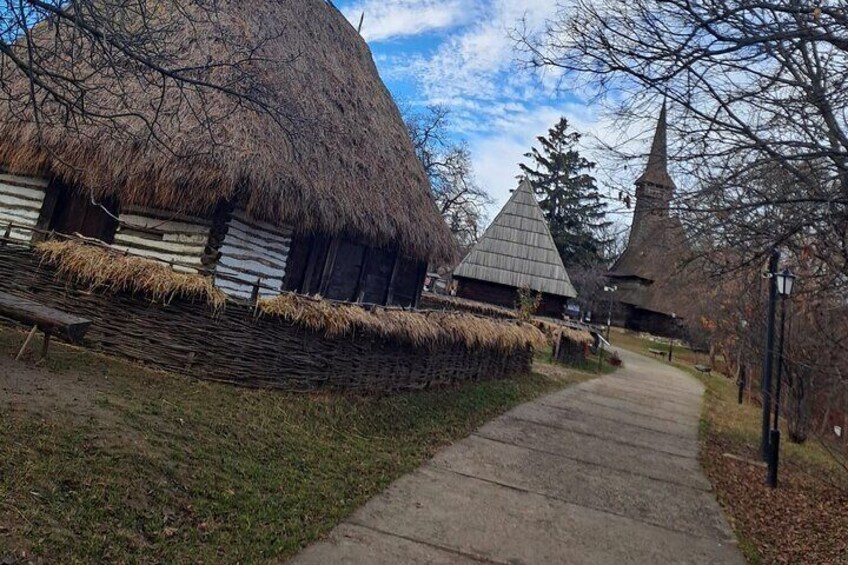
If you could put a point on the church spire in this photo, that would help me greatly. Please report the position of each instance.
(656, 172)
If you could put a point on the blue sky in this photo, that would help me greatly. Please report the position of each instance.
(458, 53)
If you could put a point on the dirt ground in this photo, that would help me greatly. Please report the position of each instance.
(27, 387)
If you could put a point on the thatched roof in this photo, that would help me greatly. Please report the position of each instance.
(517, 249)
(341, 164)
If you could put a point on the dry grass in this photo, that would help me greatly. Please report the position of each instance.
(577, 336)
(104, 269)
(550, 329)
(421, 329)
(439, 301)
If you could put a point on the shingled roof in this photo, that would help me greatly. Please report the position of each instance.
(517, 249)
(656, 250)
(656, 171)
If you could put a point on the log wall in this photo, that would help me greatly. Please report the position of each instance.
(235, 346)
(252, 251)
(163, 236)
(507, 296)
(21, 199)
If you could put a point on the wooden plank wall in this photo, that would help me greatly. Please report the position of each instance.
(163, 236)
(21, 199)
(253, 251)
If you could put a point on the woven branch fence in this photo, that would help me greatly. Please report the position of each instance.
(237, 346)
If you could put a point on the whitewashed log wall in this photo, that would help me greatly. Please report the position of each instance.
(253, 251)
(156, 235)
(21, 199)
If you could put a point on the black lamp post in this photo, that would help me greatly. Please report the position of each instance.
(610, 290)
(774, 259)
(784, 280)
(743, 377)
(671, 337)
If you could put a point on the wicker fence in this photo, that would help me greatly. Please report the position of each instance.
(238, 346)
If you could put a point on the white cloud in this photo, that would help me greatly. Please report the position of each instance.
(497, 106)
(392, 19)
(480, 60)
(497, 151)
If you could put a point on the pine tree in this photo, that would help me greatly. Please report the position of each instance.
(568, 196)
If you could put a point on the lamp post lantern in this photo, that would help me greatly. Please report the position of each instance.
(784, 281)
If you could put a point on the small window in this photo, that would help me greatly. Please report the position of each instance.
(74, 212)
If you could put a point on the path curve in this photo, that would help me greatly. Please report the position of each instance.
(604, 472)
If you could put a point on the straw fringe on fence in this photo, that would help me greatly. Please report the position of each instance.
(463, 304)
(551, 330)
(100, 268)
(103, 269)
(429, 329)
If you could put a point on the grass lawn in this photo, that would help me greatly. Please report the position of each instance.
(639, 344)
(804, 520)
(104, 461)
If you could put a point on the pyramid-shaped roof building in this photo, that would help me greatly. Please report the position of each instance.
(517, 250)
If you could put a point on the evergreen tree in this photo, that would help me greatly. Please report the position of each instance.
(568, 196)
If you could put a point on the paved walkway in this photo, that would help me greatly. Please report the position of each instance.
(604, 472)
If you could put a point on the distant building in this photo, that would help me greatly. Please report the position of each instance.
(516, 251)
(647, 271)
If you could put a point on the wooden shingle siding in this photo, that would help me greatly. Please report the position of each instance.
(21, 199)
(517, 250)
(153, 234)
(253, 251)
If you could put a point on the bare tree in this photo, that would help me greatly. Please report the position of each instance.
(135, 69)
(752, 86)
(447, 163)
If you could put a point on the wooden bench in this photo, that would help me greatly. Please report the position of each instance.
(49, 320)
(703, 368)
(657, 352)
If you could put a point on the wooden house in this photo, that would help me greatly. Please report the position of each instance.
(333, 203)
(649, 274)
(516, 251)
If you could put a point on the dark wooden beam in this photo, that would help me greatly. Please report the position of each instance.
(48, 207)
(315, 242)
(390, 290)
(329, 265)
(359, 293)
(419, 283)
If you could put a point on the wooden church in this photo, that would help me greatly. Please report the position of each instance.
(516, 251)
(648, 272)
(339, 206)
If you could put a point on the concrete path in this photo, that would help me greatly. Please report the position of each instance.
(604, 472)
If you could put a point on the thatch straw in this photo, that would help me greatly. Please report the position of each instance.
(463, 304)
(341, 163)
(575, 335)
(104, 269)
(423, 329)
(550, 329)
